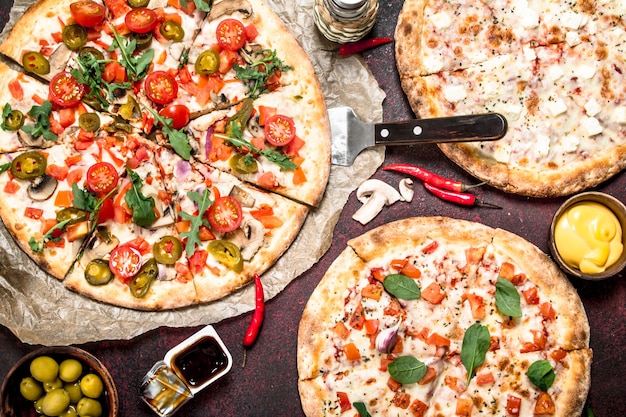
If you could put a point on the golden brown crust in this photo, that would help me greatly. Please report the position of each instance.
(408, 36)
(574, 383)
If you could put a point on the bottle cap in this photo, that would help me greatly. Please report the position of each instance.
(349, 4)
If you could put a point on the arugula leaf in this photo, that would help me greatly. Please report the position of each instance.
(177, 138)
(38, 246)
(360, 407)
(507, 298)
(5, 167)
(402, 287)
(274, 156)
(136, 65)
(89, 72)
(541, 374)
(142, 206)
(204, 202)
(85, 200)
(407, 369)
(259, 69)
(6, 110)
(203, 5)
(41, 114)
(474, 349)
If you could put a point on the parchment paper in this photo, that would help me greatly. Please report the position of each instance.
(39, 310)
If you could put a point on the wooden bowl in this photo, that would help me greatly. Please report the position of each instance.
(618, 209)
(12, 404)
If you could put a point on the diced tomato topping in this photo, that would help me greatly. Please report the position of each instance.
(120, 215)
(513, 405)
(430, 374)
(438, 340)
(344, 401)
(191, 6)
(267, 180)
(371, 326)
(431, 247)
(57, 172)
(11, 187)
(352, 352)
(55, 125)
(33, 213)
(64, 198)
(433, 293)
(77, 231)
(464, 407)
(341, 330)
(558, 354)
(531, 296)
(477, 304)
(418, 408)
(251, 32)
(227, 58)
(114, 72)
(494, 343)
(197, 261)
(411, 271)
(507, 271)
(107, 211)
(547, 311)
(372, 291)
(183, 274)
(544, 404)
(67, 116)
(486, 378)
(401, 400)
(73, 160)
(357, 319)
(117, 8)
(16, 90)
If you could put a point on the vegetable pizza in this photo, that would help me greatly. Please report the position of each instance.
(435, 316)
(156, 154)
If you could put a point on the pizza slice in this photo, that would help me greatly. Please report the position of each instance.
(231, 230)
(134, 258)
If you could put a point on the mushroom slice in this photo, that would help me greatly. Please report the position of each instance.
(374, 194)
(99, 247)
(30, 141)
(42, 187)
(249, 237)
(58, 60)
(406, 189)
(242, 196)
(229, 7)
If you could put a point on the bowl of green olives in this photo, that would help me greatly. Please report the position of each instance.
(62, 381)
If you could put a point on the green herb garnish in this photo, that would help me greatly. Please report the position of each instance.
(474, 349)
(89, 202)
(259, 69)
(177, 138)
(204, 202)
(38, 246)
(407, 369)
(5, 167)
(142, 206)
(89, 73)
(402, 287)
(41, 114)
(136, 65)
(360, 407)
(541, 374)
(507, 298)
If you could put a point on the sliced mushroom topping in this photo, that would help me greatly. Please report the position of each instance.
(228, 7)
(58, 60)
(406, 189)
(374, 194)
(242, 196)
(176, 50)
(42, 187)
(99, 246)
(166, 216)
(249, 237)
(30, 141)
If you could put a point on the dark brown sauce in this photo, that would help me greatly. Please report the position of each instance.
(200, 361)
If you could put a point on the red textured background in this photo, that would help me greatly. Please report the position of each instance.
(267, 386)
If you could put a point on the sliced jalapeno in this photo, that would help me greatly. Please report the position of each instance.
(29, 165)
(14, 120)
(138, 3)
(227, 253)
(73, 214)
(167, 250)
(172, 31)
(98, 272)
(36, 63)
(130, 110)
(208, 62)
(89, 122)
(241, 118)
(74, 36)
(243, 164)
(142, 40)
(90, 50)
(140, 284)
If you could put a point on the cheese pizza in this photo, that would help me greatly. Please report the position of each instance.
(555, 70)
(435, 316)
(157, 154)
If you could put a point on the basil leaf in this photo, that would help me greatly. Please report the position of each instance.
(407, 369)
(143, 207)
(541, 374)
(474, 349)
(507, 298)
(204, 202)
(402, 287)
(360, 407)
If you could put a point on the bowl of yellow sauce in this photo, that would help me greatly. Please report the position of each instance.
(588, 234)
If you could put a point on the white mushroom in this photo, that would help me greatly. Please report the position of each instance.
(249, 237)
(406, 189)
(374, 194)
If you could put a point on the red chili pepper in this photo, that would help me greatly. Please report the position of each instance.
(431, 178)
(257, 318)
(360, 46)
(458, 197)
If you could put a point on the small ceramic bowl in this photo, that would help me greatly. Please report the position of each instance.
(12, 404)
(617, 207)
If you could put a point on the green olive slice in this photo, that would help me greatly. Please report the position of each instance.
(74, 36)
(98, 272)
(226, 253)
(14, 120)
(29, 165)
(36, 63)
(73, 214)
(243, 164)
(172, 31)
(207, 63)
(167, 250)
(89, 122)
(140, 284)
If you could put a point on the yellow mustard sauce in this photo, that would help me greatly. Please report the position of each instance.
(588, 236)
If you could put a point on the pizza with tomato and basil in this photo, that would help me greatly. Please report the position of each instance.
(155, 154)
(435, 316)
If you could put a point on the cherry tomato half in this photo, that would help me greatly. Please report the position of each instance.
(87, 13)
(125, 262)
(225, 214)
(231, 34)
(179, 114)
(279, 130)
(141, 20)
(65, 90)
(161, 87)
(102, 178)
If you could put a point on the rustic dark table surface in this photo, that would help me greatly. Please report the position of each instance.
(267, 386)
